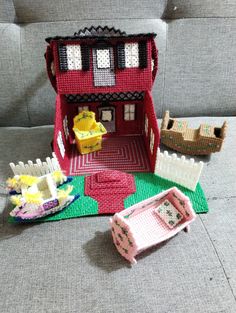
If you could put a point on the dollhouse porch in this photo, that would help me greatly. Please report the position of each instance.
(123, 153)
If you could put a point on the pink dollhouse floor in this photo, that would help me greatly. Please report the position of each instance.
(124, 153)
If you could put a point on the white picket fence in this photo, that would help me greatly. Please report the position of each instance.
(179, 170)
(36, 169)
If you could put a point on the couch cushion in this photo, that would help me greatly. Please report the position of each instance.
(29, 11)
(13, 92)
(200, 8)
(200, 67)
(7, 11)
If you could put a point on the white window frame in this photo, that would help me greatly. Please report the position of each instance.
(105, 54)
(61, 144)
(65, 127)
(83, 108)
(53, 71)
(74, 58)
(146, 125)
(111, 115)
(152, 140)
(153, 64)
(131, 55)
(129, 112)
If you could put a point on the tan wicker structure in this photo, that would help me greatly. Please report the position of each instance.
(201, 141)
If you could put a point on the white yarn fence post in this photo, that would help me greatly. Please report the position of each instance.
(179, 170)
(36, 169)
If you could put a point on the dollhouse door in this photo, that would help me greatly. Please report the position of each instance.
(107, 116)
(103, 67)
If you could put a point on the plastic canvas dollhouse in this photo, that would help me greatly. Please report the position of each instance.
(110, 73)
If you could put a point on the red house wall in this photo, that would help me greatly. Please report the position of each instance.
(79, 81)
(129, 127)
(61, 112)
(149, 111)
(122, 127)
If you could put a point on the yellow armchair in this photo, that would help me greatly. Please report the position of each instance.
(88, 132)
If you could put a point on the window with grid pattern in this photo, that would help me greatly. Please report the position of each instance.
(103, 58)
(74, 59)
(152, 139)
(146, 124)
(129, 112)
(65, 126)
(131, 55)
(106, 116)
(83, 108)
(60, 144)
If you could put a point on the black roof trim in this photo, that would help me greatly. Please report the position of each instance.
(101, 33)
(98, 97)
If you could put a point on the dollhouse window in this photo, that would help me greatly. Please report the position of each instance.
(103, 58)
(129, 112)
(60, 144)
(83, 108)
(53, 68)
(106, 116)
(152, 138)
(65, 127)
(152, 65)
(146, 125)
(74, 59)
(131, 55)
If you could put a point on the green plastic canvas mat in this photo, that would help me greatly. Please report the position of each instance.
(147, 185)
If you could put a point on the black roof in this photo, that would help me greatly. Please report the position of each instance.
(101, 33)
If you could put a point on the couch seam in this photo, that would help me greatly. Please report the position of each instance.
(165, 19)
(15, 18)
(6, 196)
(21, 64)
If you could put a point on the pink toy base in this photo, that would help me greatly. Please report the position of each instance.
(123, 153)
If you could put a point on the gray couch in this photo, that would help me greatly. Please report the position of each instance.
(72, 265)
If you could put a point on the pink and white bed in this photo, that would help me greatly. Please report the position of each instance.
(150, 222)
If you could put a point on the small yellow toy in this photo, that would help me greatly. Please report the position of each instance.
(88, 132)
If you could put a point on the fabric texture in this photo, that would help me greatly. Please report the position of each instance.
(7, 11)
(200, 8)
(193, 62)
(50, 11)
